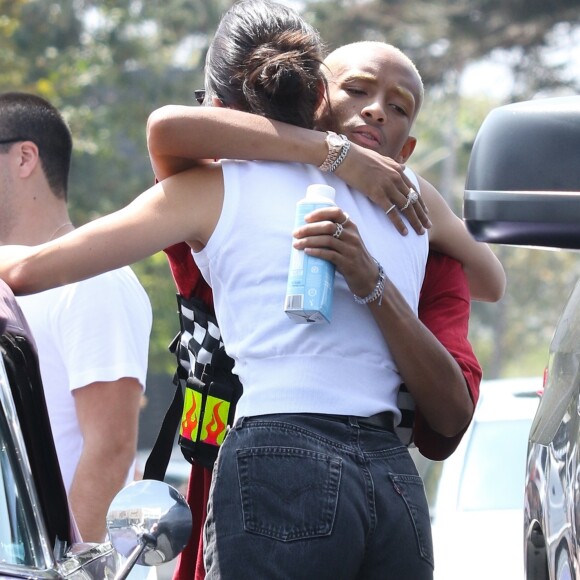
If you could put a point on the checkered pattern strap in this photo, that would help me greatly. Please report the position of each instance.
(194, 346)
(406, 404)
(199, 339)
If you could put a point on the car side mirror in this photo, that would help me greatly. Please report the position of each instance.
(523, 178)
(149, 522)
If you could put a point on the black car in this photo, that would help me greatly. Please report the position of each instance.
(523, 188)
(38, 536)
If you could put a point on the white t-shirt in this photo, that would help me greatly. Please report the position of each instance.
(91, 331)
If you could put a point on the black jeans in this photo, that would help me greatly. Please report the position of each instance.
(303, 497)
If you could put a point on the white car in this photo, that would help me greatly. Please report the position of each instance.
(478, 506)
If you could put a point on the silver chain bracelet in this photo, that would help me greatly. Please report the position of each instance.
(378, 290)
(341, 157)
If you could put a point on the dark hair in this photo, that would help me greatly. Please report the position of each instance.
(28, 117)
(266, 59)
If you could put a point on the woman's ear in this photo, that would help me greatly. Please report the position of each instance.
(216, 102)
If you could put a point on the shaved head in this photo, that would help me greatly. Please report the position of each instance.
(349, 56)
(374, 94)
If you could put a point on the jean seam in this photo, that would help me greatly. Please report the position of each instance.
(413, 512)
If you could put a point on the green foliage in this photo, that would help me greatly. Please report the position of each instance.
(442, 36)
(108, 63)
(510, 338)
(513, 337)
(156, 277)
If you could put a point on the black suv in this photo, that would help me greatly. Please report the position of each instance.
(523, 188)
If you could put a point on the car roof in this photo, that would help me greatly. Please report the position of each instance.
(508, 398)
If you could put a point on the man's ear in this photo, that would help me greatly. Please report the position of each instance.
(29, 158)
(406, 150)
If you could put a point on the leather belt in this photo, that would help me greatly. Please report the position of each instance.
(382, 420)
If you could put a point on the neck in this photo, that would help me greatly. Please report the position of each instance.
(61, 230)
(33, 229)
(32, 214)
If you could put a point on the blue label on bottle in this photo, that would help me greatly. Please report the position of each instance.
(310, 286)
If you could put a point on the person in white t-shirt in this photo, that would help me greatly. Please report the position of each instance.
(92, 336)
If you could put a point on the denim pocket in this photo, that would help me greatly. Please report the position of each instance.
(410, 488)
(288, 493)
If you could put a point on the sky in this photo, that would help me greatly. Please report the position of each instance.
(492, 76)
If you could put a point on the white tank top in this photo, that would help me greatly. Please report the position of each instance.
(342, 367)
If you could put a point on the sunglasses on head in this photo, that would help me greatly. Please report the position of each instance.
(199, 95)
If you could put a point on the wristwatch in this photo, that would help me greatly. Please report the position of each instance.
(335, 144)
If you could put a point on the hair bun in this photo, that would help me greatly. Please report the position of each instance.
(280, 75)
(266, 59)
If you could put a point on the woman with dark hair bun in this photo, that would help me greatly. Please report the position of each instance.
(311, 481)
(266, 60)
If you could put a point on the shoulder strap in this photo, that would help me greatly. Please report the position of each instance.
(203, 373)
(158, 460)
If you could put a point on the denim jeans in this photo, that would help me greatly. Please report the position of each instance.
(306, 497)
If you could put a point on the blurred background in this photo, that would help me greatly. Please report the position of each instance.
(107, 64)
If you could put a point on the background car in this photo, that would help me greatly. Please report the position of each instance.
(476, 496)
(523, 187)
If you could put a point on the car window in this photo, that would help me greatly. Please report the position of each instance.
(15, 543)
(19, 538)
(495, 466)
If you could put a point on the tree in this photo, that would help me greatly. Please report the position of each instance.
(106, 65)
(443, 36)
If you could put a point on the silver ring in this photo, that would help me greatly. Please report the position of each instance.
(338, 231)
(346, 218)
(412, 197)
(390, 209)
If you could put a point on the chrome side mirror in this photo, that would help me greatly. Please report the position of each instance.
(149, 522)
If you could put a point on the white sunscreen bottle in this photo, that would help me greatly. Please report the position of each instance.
(310, 286)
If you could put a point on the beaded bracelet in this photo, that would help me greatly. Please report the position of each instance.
(377, 290)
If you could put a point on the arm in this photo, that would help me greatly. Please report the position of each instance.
(449, 236)
(179, 137)
(108, 415)
(425, 365)
(430, 373)
(104, 329)
(444, 308)
(172, 211)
